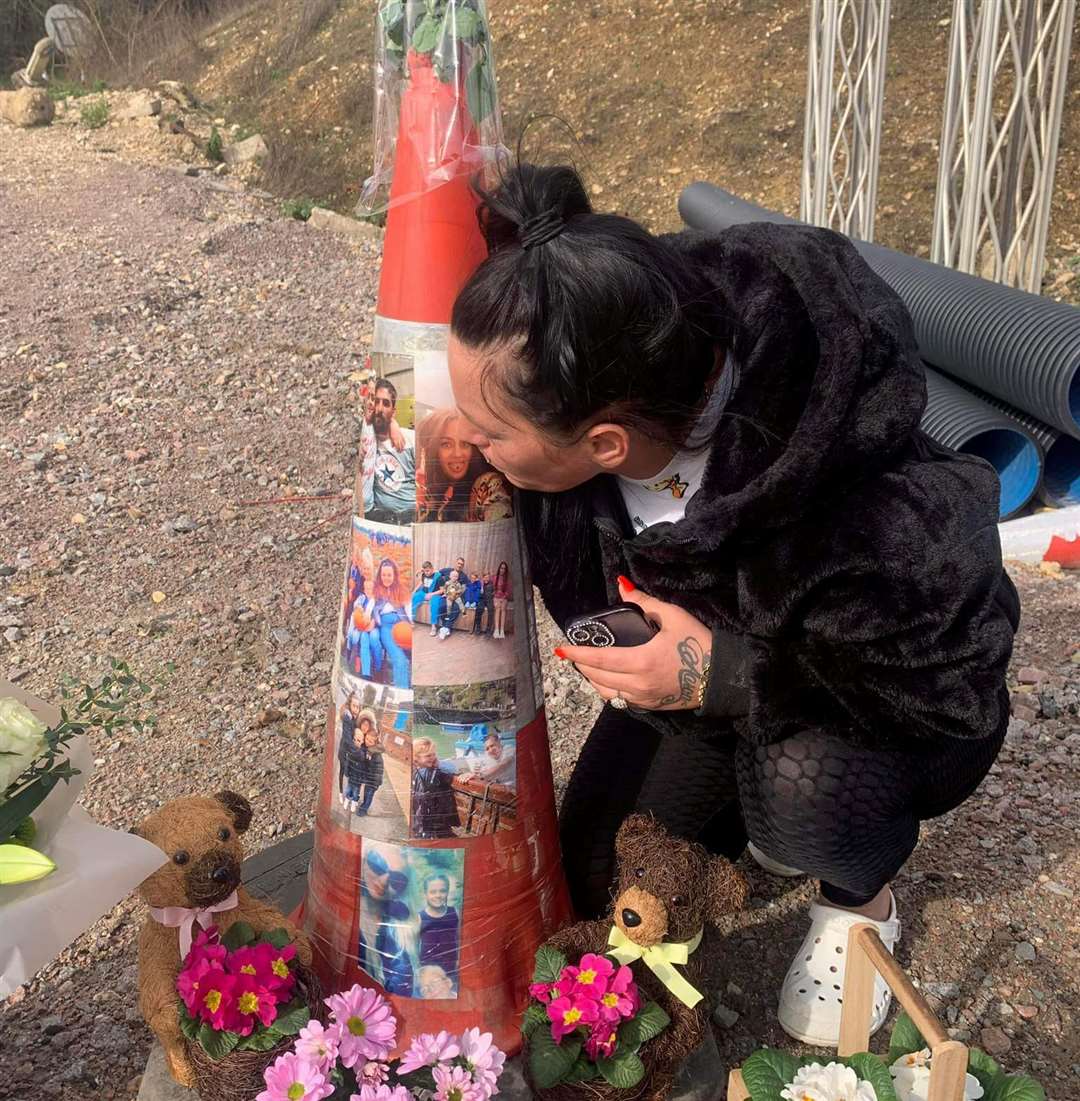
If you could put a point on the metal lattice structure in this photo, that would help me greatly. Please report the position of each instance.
(844, 94)
(1008, 64)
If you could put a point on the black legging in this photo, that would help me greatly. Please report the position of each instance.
(844, 814)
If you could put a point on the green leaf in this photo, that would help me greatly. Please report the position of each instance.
(623, 1072)
(24, 804)
(279, 938)
(466, 24)
(237, 935)
(422, 1078)
(905, 1038)
(875, 1072)
(392, 16)
(189, 1026)
(292, 1019)
(767, 1072)
(581, 1071)
(629, 1035)
(549, 964)
(479, 91)
(983, 1068)
(535, 1016)
(217, 1044)
(266, 1040)
(550, 1062)
(1015, 1087)
(651, 1021)
(426, 35)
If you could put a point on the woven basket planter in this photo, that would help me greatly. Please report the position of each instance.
(239, 1076)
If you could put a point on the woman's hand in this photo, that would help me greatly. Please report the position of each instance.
(662, 675)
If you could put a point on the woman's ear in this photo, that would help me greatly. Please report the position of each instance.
(609, 445)
(238, 807)
(726, 889)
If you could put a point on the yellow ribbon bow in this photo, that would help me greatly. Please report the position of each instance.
(660, 960)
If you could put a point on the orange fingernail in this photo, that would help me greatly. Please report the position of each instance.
(559, 653)
(627, 584)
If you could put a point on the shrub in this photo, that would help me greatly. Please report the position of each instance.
(94, 114)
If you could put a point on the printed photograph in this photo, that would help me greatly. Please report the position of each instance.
(464, 775)
(386, 473)
(376, 629)
(410, 919)
(463, 603)
(454, 483)
(373, 730)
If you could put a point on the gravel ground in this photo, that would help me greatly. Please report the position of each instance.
(175, 358)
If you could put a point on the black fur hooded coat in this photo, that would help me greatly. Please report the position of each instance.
(848, 566)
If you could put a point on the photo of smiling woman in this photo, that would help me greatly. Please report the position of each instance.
(410, 918)
(453, 481)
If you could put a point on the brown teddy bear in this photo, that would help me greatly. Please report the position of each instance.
(668, 891)
(199, 887)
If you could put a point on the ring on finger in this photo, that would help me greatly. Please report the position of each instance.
(618, 702)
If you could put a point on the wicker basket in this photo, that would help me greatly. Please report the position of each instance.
(239, 1076)
(868, 957)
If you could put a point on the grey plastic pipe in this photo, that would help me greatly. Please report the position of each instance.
(961, 420)
(1020, 347)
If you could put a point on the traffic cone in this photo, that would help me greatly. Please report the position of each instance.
(509, 893)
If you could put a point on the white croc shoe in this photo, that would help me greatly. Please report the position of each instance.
(773, 867)
(812, 995)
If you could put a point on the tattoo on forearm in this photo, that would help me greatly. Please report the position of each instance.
(692, 659)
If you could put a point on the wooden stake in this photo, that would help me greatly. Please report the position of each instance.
(948, 1066)
(858, 994)
(736, 1087)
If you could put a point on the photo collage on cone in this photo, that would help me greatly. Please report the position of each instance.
(437, 670)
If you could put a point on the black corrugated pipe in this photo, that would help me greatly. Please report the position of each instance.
(1060, 485)
(1023, 348)
(959, 419)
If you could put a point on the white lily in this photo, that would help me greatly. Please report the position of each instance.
(22, 739)
(911, 1078)
(832, 1082)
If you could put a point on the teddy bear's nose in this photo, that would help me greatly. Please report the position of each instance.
(631, 918)
(221, 874)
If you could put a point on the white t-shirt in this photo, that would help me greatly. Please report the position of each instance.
(663, 497)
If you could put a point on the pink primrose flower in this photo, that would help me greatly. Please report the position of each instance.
(187, 982)
(568, 1014)
(252, 1002)
(216, 998)
(543, 991)
(589, 978)
(601, 1041)
(621, 998)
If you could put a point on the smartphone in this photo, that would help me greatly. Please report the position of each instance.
(620, 625)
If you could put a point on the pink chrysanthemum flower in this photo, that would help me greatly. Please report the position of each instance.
(588, 979)
(456, 1084)
(374, 1073)
(482, 1057)
(382, 1093)
(427, 1050)
(368, 1028)
(620, 1000)
(568, 1014)
(318, 1045)
(291, 1078)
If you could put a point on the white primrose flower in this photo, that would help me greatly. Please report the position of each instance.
(832, 1082)
(22, 739)
(911, 1078)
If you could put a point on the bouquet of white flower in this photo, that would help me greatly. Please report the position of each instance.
(59, 871)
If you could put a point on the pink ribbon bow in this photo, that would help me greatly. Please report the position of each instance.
(186, 917)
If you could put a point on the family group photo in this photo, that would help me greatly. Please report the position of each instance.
(410, 919)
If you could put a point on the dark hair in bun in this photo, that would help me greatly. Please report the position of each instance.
(605, 320)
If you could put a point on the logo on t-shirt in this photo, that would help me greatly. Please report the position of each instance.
(673, 485)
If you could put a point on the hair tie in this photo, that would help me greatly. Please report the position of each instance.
(541, 228)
